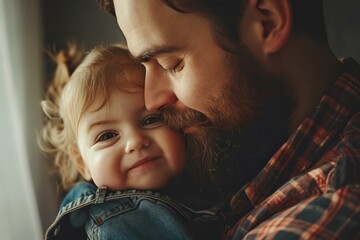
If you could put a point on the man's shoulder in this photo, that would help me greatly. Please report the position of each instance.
(347, 169)
(352, 131)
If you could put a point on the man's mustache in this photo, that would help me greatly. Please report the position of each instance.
(185, 118)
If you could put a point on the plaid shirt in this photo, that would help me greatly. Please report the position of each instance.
(310, 189)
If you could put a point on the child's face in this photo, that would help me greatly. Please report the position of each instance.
(125, 146)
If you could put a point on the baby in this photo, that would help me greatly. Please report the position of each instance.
(106, 144)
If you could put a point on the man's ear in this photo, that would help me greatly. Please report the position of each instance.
(277, 23)
(270, 21)
(79, 163)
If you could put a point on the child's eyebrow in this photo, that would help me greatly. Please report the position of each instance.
(100, 122)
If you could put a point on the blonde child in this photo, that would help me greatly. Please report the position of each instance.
(105, 144)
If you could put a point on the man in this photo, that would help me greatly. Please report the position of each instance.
(264, 103)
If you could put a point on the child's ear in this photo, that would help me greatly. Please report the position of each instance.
(268, 23)
(79, 163)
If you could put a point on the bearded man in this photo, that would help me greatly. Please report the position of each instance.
(271, 116)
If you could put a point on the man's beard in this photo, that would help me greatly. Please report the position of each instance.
(247, 124)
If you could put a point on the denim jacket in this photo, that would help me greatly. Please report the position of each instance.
(88, 212)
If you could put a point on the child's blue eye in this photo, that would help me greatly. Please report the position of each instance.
(152, 119)
(106, 136)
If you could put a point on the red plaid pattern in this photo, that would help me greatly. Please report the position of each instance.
(310, 189)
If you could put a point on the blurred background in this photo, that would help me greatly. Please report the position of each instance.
(28, 202)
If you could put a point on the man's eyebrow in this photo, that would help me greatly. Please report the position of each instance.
(149, 54)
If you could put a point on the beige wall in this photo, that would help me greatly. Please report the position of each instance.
(26, 192)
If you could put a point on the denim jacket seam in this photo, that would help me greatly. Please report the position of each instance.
(91, 199)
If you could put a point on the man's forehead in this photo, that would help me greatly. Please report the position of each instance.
(150, 26)
(138, 8)
(139, 22)
(144, 12)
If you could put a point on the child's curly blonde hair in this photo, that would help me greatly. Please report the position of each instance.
(80, 84)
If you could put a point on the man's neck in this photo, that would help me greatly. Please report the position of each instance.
(311, 68)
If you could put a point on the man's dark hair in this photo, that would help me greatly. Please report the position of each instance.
(107, 6)
(224, 15)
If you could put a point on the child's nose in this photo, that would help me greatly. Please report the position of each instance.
(136, 141)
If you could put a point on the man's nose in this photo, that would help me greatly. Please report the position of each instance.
(159, 92)
(136, 140)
